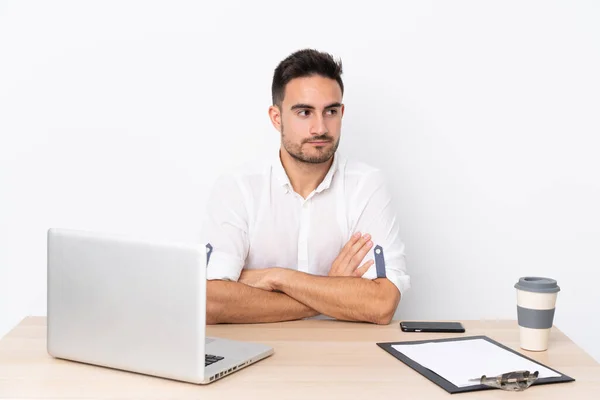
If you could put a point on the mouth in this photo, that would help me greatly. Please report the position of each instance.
(319, 142)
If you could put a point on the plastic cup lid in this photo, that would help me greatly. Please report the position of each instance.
(537, 284)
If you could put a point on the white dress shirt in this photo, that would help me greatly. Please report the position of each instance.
(256, 220)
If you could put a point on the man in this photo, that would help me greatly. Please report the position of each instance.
(296, 237)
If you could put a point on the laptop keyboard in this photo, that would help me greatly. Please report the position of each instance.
(210, 359)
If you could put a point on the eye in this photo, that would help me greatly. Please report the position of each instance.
(304, 113)
(332, 111)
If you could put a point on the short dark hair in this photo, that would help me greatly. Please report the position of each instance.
(303, 63)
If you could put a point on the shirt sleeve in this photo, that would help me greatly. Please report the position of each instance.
(377, 217)
(225, 227)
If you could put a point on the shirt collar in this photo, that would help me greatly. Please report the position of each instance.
(284, 181)
(279, 173)
(326, 183)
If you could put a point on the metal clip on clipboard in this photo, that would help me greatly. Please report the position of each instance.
(515, 381)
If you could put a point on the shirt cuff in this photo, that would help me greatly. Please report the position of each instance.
(224, 267)
(399, 278)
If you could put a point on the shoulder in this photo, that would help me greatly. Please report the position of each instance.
(359, 168)
(361, 175)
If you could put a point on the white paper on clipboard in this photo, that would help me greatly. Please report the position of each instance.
(462, 360)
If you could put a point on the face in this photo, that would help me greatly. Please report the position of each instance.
(310, 118)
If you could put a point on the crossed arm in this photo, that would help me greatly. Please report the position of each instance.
(278, 294)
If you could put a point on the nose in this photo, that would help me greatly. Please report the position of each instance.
(319, 127)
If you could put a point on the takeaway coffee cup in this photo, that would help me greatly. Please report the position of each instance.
(536, 298)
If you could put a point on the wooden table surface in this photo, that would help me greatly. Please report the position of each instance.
(314, 359)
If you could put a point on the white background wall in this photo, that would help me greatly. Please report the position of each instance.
(116, 116)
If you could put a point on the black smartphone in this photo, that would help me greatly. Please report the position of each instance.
(418, 326)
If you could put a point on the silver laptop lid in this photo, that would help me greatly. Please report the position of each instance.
(127, 304)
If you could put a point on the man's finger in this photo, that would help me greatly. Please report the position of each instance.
(355, 256)
(360, 243)
(351, 252)
(361, 253)
(346, 252)
(360, 271)
(353, 239)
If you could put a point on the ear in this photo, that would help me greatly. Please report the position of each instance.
(342, 109)
(275, 116)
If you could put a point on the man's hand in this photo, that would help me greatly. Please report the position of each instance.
(348, 261)
(259, 278)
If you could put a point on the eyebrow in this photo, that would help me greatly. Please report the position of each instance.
(309, 107)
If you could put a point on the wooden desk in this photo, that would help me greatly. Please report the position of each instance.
(312, 360)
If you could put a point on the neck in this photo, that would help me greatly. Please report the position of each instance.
(304, 177)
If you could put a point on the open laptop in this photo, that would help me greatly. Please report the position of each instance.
(137, 306)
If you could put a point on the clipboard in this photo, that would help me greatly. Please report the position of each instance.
(449, 386)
